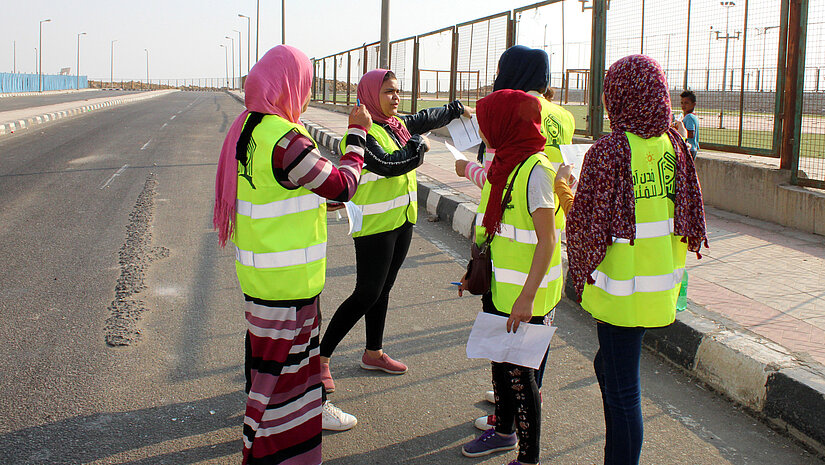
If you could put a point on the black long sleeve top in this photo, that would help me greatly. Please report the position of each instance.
(411, 155)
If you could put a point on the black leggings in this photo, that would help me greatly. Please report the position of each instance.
(378, 257)
(518, 402)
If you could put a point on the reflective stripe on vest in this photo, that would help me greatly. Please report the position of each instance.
(281, 259)
(637, 285)
(386, 202)
(513, 247)
(280, 234)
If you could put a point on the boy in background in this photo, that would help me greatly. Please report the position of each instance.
(690, 121)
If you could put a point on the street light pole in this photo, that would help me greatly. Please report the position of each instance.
(248, 40)
(728, 4)
(240, 61)
(77, 70)
(233, 60)
(226, 55)
(384, 50)
(112, 65)
(147, 67)
(257, 27)
(40, 62)
(35, 60)
(14, 70)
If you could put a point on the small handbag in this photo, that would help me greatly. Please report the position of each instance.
(479, 274)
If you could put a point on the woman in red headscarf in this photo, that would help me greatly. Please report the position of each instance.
(637, 212)
(386, 197)
(517, 211)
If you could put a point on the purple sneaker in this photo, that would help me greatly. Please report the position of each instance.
(488, 443)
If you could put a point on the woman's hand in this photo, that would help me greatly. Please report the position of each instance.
(360, 116)
(460, 167)
(426, 143)
(522, 312)
(564, 173)
(468, 112)
(463, 286)
(680, 128)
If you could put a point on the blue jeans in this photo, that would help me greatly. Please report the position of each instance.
(617, 370)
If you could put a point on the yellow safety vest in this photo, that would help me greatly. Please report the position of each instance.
(386, 202)
(513, 246)
(637, 285)
(280, 234)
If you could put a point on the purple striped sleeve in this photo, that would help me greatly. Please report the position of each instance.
(305, 166)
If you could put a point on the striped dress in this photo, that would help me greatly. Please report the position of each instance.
(282, 421)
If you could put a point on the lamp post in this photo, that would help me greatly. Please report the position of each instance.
(728, 4)
(77, 70)
(112, 65)
(257, 27)
(233, 59)
(248, 39)
(14, 67)
(147, 67)
(40, 62)
(764, 32)
(240, 74)
(226, 55)
(35, 60)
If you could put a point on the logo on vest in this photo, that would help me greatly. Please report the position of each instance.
(245, 170)
(552, 130)
(658, 180)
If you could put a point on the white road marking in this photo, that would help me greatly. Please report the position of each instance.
(173, 117)
(112, 178)
(146, 144)
(164, 125)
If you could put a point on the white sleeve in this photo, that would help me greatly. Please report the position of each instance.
(540, 192)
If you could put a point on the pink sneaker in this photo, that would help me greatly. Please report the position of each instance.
(383, 363)
(326, 378)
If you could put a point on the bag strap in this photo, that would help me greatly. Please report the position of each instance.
(505, 200)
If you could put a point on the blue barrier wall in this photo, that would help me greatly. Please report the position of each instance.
(28, 82)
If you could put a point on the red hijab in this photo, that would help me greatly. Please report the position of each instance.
(638, 101)
(369, 93)
(510, 121)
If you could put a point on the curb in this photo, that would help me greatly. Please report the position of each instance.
(45, 92)
(10, 127)
(763, 377)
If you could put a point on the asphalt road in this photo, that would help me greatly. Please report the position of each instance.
(106, 235)
(27, 101)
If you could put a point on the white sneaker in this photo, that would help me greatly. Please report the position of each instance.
(334, 419)
(490, 396)
(486, 422)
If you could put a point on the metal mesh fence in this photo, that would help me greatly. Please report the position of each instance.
(812, 141)
(401, 63)
(434, 64)
(548, 26)
(480, 45)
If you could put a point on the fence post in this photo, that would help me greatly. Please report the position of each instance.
(795, 74)
(349, 76)
(416, 77)
(324, 74)
(453, 65)
(334, 79)
(511, 29)
(597, 57)
(742, 85)
(687, 47)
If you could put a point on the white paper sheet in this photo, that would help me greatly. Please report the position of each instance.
(464, 132)
(574, 153)
(526, 347)
(354, 216)
(456, 154)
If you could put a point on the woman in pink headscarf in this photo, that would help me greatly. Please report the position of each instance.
(387, 198)
(270, 193)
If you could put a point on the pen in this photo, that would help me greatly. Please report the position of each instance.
(455, 283)
(357, 102)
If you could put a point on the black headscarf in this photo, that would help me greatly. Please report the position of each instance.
(523, 68)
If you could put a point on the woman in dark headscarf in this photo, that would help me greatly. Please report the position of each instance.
(638, 210)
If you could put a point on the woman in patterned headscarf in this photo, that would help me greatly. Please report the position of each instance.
(638, 210)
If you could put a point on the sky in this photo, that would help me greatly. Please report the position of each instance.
(183, 37)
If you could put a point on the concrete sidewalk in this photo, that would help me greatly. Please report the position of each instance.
(13, 120)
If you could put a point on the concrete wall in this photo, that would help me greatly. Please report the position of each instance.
(758, 189)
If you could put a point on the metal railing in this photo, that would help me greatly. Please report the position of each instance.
(731, 54)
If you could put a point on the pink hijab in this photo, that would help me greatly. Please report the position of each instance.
(278, 84)
(369, 91)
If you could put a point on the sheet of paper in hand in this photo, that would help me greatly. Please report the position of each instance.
(355, 217)
(456, 154)
(526, 347)
(574, 153)
(464, 132)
